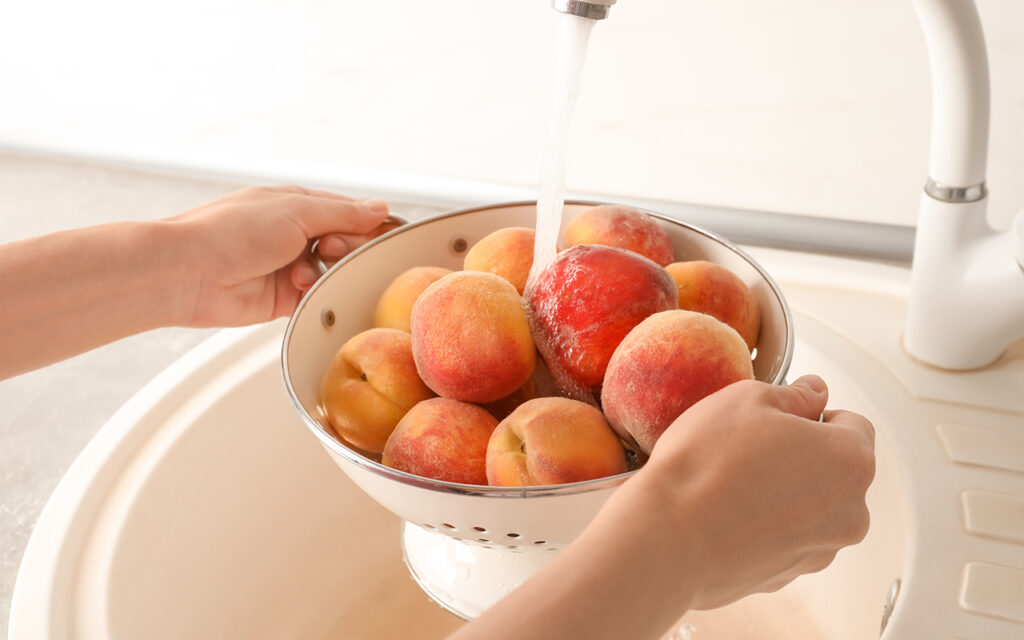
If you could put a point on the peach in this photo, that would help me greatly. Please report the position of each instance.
(623, 227)
(715, 290)
(471, 339)
(371, 383)
(442, 439)
(506, 252)
(553, 441)
(540, 385)
(395, 304)
(502, 407)
(585, 302)
(665, 365)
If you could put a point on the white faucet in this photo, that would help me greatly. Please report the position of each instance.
(966, 302)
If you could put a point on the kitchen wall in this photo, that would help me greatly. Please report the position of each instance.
(801, 106)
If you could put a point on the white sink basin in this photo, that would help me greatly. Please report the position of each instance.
(205, 509)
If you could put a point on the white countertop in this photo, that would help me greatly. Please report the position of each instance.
(791, 105)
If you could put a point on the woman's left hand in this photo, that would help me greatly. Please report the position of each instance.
(250, 251)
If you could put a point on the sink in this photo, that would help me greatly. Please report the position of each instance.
(204, 508)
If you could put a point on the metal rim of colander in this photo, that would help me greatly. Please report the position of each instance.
(457, 488)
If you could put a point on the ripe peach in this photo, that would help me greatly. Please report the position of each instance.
(502, 407)
(471, 339)
(623, 227)
(666, 364)
(553, 441)
(715, 290)
(585, 302)
(395, 305)
(506, 252)
(369, 386)
(443, 439)
(540, 385)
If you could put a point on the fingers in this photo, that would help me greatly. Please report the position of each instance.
(806, 397)
(857, 434)
(335, 246)
(306, 192)
(318, 216)
(302, 275)
(853, 421)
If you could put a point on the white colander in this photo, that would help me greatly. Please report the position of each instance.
(468, 545)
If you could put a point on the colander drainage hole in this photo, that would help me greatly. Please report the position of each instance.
(540, 542)
(482, 540)
(429, 526)
(448, 526)
(512, 535)
(480, 529)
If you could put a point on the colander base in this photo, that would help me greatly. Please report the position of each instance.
(467, 577)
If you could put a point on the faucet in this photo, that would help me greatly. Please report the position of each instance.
(966, 301)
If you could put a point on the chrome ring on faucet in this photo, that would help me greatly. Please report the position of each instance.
(946, 193)
(590, 10)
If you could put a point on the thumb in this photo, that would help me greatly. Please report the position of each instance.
(806, 397)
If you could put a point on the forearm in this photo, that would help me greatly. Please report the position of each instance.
(605, 585)
(72, 291)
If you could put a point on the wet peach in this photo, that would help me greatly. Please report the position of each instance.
(442, 439)
(666, 364)
(553, 441)
(623, 227)
(715, 290)
(395, 305)
(371, 383)
(471, 339)
(506, 252)
(585, 303)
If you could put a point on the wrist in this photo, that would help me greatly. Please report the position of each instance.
(646, 543)
(165, 279)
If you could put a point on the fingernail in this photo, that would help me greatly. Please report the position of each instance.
(812, 382)
(376, 206)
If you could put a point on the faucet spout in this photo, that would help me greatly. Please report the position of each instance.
(593, 9)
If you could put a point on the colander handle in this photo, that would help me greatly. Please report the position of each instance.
(389, 224)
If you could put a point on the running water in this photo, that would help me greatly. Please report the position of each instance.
(572, 39)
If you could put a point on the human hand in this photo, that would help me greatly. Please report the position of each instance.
(248, 253)
(745, 491)
(758, 489)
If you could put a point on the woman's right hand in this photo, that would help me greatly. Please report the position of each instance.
(764, 490)
(742, 493)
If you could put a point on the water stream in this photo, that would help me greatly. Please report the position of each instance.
(571, 52)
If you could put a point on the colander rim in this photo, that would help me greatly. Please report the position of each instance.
(368, 464)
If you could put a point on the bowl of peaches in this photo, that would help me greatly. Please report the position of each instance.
(493, 411)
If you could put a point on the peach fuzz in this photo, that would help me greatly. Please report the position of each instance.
(623, 227)
(442, 439)
(394, 307)
(506, 252)
(585, 302)
(470, 337)
(715, 290)
(665, 365)
(371, 383)
(553, 441)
